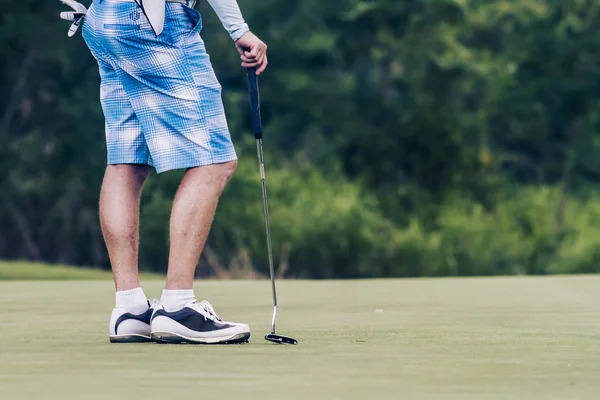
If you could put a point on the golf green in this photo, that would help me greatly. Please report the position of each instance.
(478, 338)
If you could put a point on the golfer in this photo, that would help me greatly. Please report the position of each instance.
(163, 109)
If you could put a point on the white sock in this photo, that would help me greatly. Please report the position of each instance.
(175, 300)
(134, 301)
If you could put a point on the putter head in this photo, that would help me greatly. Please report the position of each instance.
(272, 337)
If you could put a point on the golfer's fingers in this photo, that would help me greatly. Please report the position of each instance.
(258, 59)
(251, 64)
(259, 50)
(261, 59)
(263, 51)
(254, 61)
(263, 66)
(247, 59)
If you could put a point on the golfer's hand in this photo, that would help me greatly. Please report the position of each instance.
(253, 52)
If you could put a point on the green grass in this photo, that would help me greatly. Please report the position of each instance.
(24, 271)
(497, 338)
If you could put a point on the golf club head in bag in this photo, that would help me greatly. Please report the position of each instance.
(257, 127)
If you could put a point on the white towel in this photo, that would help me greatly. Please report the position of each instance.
(155, 11)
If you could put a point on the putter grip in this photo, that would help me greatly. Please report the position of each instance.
(254, 103)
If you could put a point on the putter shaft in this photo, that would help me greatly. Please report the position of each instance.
(263, 182)
(257, 127)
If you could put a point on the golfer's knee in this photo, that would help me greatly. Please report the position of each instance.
(138, 172)
(228, 170)
(215, 175)
(222, 173)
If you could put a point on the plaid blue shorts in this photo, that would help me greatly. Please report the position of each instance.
(160, 96)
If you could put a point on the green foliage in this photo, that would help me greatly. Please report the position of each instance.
(448, 137)
(321, 228)
(520, 236)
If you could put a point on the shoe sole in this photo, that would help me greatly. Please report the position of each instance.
(130, 339)
(175, 338)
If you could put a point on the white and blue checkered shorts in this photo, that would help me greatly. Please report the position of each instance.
(160, 96)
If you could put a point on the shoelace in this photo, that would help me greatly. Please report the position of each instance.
(206, 309)
(155, 303)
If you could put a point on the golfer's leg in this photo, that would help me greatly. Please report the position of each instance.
(120, 218)
(180, 318)
(193, 211)
(120, 194)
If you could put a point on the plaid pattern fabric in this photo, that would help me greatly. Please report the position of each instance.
(161, 99)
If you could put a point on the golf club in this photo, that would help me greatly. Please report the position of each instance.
(257, 127)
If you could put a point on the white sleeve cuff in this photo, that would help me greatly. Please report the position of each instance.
(230, 15)
(239, 31)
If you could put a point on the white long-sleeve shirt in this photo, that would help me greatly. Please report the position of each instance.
(228, 12)
(230, 15)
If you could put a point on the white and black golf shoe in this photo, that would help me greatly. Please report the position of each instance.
(196, 323)
(130, 328)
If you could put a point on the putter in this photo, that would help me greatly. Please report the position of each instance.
(257, 127)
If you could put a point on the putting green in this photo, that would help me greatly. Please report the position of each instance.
(496, 338)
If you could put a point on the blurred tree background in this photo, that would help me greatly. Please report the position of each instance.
(403, 138)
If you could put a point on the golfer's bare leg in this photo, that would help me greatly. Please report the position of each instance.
(120, 219)
(193, 212)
